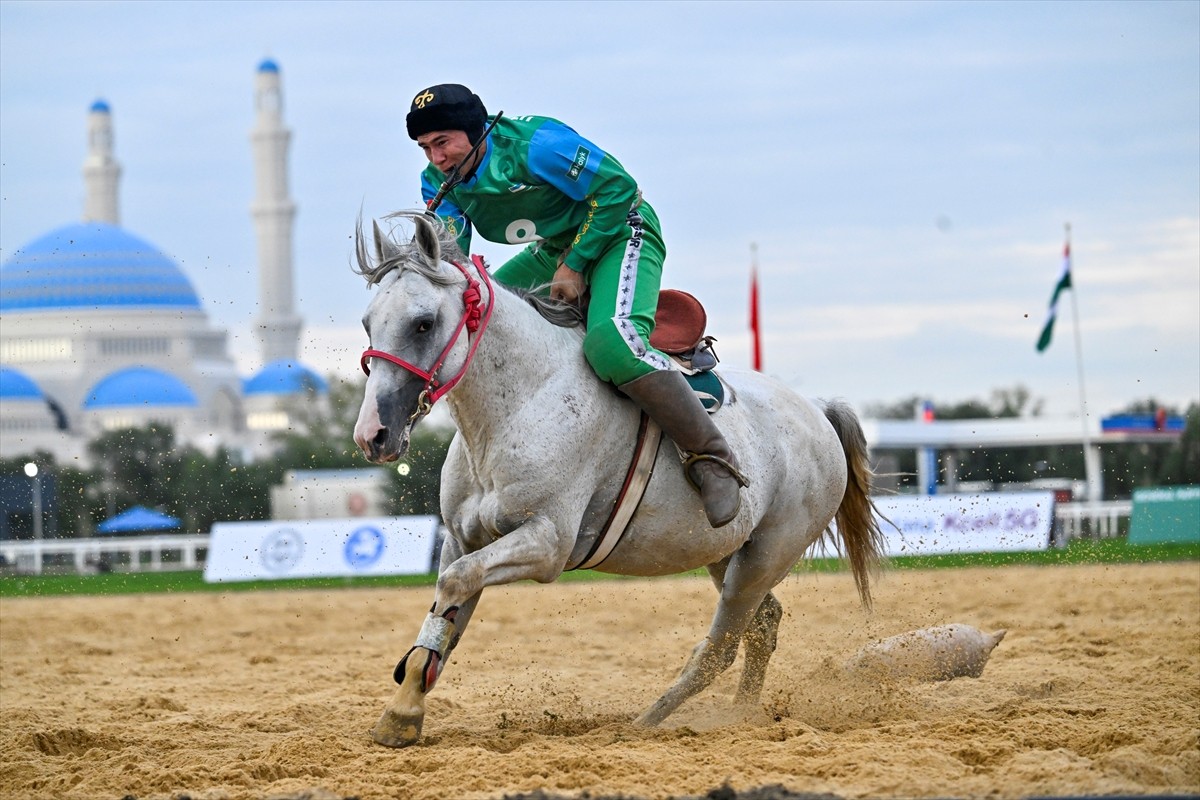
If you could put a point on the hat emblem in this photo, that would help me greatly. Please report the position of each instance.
(425, 97)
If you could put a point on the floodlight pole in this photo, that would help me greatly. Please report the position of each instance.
(31, 469)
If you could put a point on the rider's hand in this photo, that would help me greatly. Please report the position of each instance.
(567, 284)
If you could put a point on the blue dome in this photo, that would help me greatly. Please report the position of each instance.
(92, 265)
(139, 386)
(16, 385)
(100, 105)
(268, 65)
(285, 377)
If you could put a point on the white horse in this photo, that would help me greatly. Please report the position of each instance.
(541, 454)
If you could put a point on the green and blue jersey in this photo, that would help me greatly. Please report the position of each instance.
(540, 181)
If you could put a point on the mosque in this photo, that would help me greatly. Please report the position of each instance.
(100, 330)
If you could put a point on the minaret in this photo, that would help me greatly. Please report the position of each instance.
(101, 172)
(278, 325)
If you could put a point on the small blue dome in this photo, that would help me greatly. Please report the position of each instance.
(100, 106)
(92, 265)
(268, 65)
(16, 385)
(285, 377)
(139, 386)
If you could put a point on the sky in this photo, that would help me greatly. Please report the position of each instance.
(905, 171)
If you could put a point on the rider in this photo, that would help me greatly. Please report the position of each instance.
(536, 180)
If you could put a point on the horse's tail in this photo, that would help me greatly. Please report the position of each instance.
(862, 541)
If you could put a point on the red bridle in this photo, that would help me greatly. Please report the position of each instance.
(474, 320)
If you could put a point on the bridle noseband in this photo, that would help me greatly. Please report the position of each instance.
(474, 319)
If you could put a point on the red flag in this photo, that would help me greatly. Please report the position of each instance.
(756, 345)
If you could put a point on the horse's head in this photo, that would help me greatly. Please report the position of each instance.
(412, 324)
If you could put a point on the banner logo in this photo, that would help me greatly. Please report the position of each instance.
(364, 547)
(281, 550)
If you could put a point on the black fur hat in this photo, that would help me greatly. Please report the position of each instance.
(446, 107)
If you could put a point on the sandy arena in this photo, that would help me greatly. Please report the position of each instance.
(1095, 690)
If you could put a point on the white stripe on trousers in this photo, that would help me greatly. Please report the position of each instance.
(626, 289)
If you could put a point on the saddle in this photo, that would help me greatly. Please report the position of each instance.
(679, 324)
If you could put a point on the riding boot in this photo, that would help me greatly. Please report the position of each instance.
(708, 462)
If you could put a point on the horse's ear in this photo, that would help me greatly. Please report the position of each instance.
(384, 248)
(426, 240)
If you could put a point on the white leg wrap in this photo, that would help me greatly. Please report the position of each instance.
(436, 634)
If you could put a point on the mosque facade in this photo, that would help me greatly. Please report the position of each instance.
(100, 330)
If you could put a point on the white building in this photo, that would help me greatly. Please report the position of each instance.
(101, 330)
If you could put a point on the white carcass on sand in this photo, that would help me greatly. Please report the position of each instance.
(929, 654)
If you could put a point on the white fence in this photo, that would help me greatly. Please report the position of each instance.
(120, 553)
(188, 551)
(1090, 520)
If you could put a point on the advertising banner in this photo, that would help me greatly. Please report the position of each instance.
(1165, 514)
(967, 523)
(244, 551)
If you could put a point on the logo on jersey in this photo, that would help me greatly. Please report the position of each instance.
(581, 159)
(520, 231)
(425, 97)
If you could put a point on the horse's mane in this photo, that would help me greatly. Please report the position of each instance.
(556, 312)
(397, 255)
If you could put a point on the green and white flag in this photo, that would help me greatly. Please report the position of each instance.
(1064, 282)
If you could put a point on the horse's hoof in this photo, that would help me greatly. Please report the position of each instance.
(649, 719)
(394, 730)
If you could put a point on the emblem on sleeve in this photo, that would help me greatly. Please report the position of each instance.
(581, 159)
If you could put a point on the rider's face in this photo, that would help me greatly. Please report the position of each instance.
(445, 149)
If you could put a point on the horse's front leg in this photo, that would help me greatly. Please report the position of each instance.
(534, 551)
(400, 724)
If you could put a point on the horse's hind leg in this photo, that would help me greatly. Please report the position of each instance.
(744, 582)
(737, 606)
(759, 641)
(709, 658)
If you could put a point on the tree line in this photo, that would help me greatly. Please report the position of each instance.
(147, 466)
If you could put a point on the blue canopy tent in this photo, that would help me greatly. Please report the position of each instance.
(138, 518)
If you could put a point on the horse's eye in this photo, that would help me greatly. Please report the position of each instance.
(424, 326)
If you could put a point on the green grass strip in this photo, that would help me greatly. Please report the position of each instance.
(1108, 551)
(1080, 551)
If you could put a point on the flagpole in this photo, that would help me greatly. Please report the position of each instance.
(1091, 464)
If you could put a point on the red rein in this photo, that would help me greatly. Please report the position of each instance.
(474, 319)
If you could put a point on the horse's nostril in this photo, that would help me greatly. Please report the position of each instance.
(380, 436)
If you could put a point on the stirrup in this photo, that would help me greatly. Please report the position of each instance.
(689, 459)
